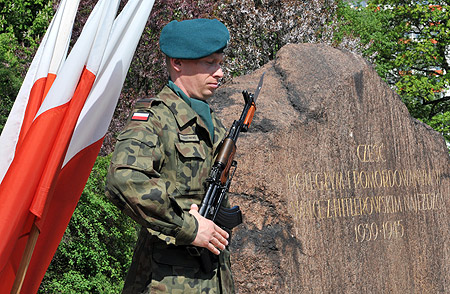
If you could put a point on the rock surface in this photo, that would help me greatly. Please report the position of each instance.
(342, 190)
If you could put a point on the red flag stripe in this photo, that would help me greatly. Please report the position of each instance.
(48, 84)
(59, 212)
(21, 179)
(63, 139)
(37, 95)
(33, 105)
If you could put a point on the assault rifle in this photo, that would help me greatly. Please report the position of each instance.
(220, 177)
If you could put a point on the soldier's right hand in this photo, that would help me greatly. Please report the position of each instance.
(209, 235)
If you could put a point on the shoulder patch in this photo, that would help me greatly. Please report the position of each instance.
(140, 116)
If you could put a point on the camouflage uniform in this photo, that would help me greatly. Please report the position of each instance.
(157, 171)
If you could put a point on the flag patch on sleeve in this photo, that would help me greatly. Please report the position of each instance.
(141, 116)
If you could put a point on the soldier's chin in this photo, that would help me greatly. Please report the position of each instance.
(207, 95)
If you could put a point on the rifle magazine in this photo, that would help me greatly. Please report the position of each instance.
(229, 217)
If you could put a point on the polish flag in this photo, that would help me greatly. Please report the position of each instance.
(141, 116)
(40, 76)
(53, 161)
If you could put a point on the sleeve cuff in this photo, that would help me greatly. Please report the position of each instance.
(188, 230)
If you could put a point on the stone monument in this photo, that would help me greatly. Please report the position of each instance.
(342, 190)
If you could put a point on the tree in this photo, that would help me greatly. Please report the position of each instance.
(408, 43)
(27, 20)
(10, 76)
(259, 29)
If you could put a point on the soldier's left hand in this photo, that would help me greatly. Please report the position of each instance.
(209, 235)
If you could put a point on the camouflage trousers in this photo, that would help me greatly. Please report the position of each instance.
(161, 268)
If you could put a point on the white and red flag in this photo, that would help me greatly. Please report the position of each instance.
(53, 156)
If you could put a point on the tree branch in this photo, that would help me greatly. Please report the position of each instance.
(426, 70)
(437, 101)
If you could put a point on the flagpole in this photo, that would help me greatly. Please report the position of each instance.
(26, 258)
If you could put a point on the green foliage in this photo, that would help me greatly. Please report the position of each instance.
(97, 247)
(368, 26)
(10, 76)
(27, 20)
(408, 43)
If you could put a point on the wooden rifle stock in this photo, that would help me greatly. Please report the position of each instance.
(219, 180)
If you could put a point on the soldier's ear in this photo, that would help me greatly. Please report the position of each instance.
(176, 64)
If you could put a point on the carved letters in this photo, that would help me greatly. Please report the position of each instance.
(365, 193)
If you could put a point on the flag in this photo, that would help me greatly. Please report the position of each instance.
(43, 69)
(36, 154)
(41, 73)
(80, 103)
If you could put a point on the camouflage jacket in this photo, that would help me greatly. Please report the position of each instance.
(161, 161)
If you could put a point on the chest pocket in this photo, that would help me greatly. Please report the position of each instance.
(137, 149)
(192, 167)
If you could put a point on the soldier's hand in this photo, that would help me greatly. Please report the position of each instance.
(209, 235)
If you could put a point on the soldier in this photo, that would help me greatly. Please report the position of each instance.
(161, 161)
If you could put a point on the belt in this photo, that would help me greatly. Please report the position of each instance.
(176, 256)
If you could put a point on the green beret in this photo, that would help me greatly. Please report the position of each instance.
(193, 38)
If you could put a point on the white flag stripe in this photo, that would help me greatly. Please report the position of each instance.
(103, 34)
(11, 130)
(47, 56)
(121, 31)
(141, 115)
(96, 115)
(65, 29)
(66, 82)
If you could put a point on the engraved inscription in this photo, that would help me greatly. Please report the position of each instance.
(365, 193)
(331, 181)
(360, 206)
(370, 153)
(387, 230)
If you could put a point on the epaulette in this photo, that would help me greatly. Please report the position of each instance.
(144, 103)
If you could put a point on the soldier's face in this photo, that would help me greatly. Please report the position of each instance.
(199, 78)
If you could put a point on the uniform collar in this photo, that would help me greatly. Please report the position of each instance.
(200, 107)
(182, 111)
